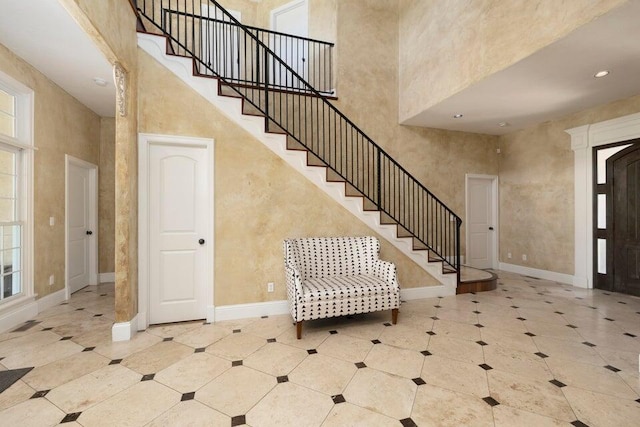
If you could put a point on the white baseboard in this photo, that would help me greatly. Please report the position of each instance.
(241, 311)
(124, 331)
(211, 314)
(426, 292)
(51, 300)
(534, 272)
(106, 277)
(20, 312)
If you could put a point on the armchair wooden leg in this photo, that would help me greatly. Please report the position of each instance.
(394, 316)
(299, 329)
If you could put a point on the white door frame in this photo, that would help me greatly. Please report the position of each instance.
(495, 217)
(145, 140)
(93, 220)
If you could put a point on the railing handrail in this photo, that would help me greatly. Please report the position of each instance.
(310, 88)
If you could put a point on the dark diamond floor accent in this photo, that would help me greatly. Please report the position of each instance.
(431, 333)
(491, 401)
(188, 396)
(97, 315)
(264, 317)
(47, 329)
(435, 317)
(572, 326)
(478, 325)
(521, 318)
(200, 350)
(549, 302)
(79, 309)
(312, 351)
(507, 297)
(629, 335)
(103, 295)
(485, 367)
(514, 306)
(419, 381)
(28, 325)
(115, 362)
(69, 418)
(558, 312)
(338, 398)
(612, 368)
(387, 324)
(557, 383)
(408, 422)
(638, 400)
(236, 363)
(587, 343)
(622, 302)
(148, 377)
(482, 343)
(578, 423)
(610, 320)
(426, 353)
(168, 339)
(475, 302)
(238, 420)
(376, 341)
(236, 331)
(477, 312)
(65, 338)
(10, 376)
(360, 365)
(530, 334)
(41, 393)
(283, 379)
(592, 307)
(89, 349)
(270, 340)
(542, 355)
(333, 332)
(438, 306)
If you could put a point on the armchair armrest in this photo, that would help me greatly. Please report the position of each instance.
(294, 284)
(386, 271)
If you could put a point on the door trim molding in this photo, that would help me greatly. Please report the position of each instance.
(583, 139)
(145, 140)
(93, 219)
(495, 217)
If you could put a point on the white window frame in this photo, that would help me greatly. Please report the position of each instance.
(23, 142)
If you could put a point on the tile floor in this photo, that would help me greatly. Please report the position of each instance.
(531, 353)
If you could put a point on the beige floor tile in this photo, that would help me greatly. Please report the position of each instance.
(596, 409)
(270, 327)
(439, 407)
(418, 321)
(157, 357)
(191, 413)
(64, 370)
(236, 346)
(82, 327)
(508, 339)
(516, 362)
(457, 316)
(18, 392)
(202, 336)
(545, 316)
(276, 359)
(236, 391)
(456, 330)
(632, 379)
(421, 307)
(289, 404)
(366, 330)
(8, 335)
(397, 361)
(405, 337)
(324, 374)
(612, 341)
(501, 321)
(456, 376)
(453, 348)
(192, 372)
(505, 416)
(381, 392)
(590, 377)
(346, 347)
(569, 350)
(27, 343)
(538, 396)
(64, 319)
(42, 355)
(311, 337)
(94, 338)
(135, 406)
(88, 390)
(32, 413)
(555, 331)
(172, 330)
(122, 349)
(346, 414)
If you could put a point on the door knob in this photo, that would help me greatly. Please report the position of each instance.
(89, 232)
(490, 228)
(201, 241)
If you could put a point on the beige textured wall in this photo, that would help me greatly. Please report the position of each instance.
(259, 199)
(536, 189)
(447, 45)
(62, 125)
(107, 194)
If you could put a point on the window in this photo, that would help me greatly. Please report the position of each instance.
(16, 189)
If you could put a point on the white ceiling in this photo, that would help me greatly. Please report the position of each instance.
(46, 36)
(551, 83)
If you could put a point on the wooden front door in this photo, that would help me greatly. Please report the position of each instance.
(623, 170)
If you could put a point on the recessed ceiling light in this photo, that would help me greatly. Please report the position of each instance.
(601, 74)
(100, 82)
(503, 124)
(457, 116)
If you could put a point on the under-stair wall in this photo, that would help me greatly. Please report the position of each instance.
(259, 199)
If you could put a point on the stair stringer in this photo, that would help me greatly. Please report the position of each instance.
(231, 107)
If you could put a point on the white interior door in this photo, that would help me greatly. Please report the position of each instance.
(481, 222)
(220, 47)
(291, 18)
(79, 226)
(179, 214)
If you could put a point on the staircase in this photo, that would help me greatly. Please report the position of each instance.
(265, 95)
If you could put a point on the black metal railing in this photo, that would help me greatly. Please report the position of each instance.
(316, 124)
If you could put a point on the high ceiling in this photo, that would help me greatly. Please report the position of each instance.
(551, 83)
(47, 37)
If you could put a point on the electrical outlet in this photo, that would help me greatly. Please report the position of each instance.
(52, 221)
(270, 287)
(52, 280)
(509, 255)
(524, 257)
